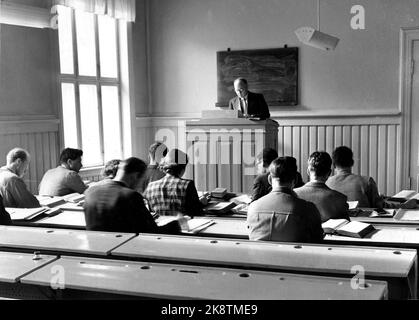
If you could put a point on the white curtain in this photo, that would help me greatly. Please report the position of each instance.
(118, 9)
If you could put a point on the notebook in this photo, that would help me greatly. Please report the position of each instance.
(50, 202)
(25, 213)
(407, 215)
(343, 227)
(405, 195)
(74, 197)
(243, 199)
(218, 208)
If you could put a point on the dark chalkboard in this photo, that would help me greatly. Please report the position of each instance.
(272, 72)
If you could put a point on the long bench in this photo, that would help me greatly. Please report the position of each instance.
(397, 267)
(28, 239)
(171, 281)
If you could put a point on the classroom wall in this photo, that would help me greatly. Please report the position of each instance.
(28, 96)
(361, 74)
(348, 96)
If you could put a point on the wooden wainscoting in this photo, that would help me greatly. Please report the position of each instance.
(375, 140)
(40, 138)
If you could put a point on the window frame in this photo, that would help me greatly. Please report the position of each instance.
(98, 81)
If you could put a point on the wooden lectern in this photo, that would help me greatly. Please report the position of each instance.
(222, 150)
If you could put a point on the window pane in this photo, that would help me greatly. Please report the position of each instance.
(69, 115)
(107, 47)
(86, 43)
(111, 123)
(90, 126)
(65, 35)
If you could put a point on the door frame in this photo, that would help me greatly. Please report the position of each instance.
(407, 37)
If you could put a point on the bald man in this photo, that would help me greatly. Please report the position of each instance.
(252, 105)
(12, 187)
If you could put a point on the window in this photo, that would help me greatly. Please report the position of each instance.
(90, 85)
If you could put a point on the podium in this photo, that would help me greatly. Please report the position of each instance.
(222, 151)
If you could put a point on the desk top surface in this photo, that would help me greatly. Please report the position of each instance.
(188, 282)
(86, 242)
(271, 255)
(15, 265)
(66, 218)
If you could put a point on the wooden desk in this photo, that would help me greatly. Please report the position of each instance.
(56, 240)
(190, 282)
(14, 266)
(399, 268)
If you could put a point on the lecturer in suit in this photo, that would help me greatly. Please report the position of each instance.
(251, 104)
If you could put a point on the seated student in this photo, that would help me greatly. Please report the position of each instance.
(107, 173)
(5, 219)
(355, 187)
(12, 187)
(261, 186)
(65, 178)
(115, 206)
(173, 195)
(330, 203)
(281, 215)
(110, 169)
(156, 153)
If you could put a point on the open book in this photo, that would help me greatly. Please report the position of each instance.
(25, 213)
(50, 202)
(191, 226)
(243, 199)
(74, 197)
(407, 215)
(343, 227)
(218, 208)
(405, 195)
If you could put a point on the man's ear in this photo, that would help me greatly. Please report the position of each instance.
(270, 179)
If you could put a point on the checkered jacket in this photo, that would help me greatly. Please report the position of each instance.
(172, 195)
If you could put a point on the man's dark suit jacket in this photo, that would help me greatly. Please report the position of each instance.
(114, 207)
(256, 105)
(261, 186)
(4, 215)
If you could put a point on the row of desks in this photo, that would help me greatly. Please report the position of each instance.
(397, 267)
(89, 276)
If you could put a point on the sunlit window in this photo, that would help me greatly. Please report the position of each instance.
(90, 85)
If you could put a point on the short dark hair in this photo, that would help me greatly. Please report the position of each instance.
(343, 157)
(17, 153)
(284, 168)
(174, 162)
(159, 149)
(320, 163)
(267, 155)
(71, 154)
(110, 169)
(133, 165)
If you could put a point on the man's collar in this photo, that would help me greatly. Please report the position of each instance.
(283, 190)
(343, 171)
(315, 183)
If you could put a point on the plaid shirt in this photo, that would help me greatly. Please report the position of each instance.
(172, 195)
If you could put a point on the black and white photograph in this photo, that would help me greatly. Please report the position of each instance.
(239, 152)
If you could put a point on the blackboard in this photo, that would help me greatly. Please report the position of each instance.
(272, 72)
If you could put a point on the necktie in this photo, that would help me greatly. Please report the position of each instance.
(243, 105)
